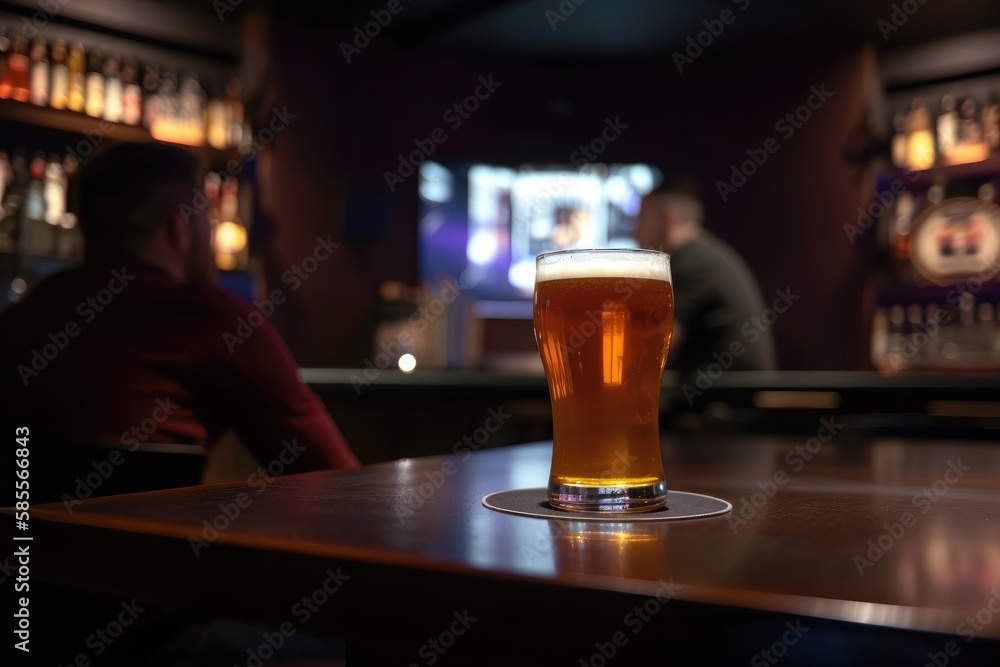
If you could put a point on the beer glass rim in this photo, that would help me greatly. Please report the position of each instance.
(600, 251)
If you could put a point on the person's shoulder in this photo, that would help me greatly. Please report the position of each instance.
(215, 295)
(697, 256)
(219, 301)
(710, 243)
(239, 322)
(710, 247)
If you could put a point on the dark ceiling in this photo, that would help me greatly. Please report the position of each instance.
(557, 29)
(640, 28)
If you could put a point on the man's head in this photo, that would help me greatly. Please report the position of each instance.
(144, 201)
(670, 217)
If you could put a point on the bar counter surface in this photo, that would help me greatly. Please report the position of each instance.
(885, 551)
(869, 404)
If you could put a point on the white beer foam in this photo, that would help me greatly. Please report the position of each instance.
(604, 264)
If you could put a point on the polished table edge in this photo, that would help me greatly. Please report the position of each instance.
(804, 380)
(852, 611)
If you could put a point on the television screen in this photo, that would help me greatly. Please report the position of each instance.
(482, 225)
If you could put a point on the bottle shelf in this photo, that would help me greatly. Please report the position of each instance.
(79, 123)
(985, 168)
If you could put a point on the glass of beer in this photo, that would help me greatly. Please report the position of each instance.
(603, 321)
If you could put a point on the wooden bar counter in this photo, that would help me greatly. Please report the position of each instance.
(838, 552)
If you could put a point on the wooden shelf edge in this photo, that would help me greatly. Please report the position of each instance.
(97, 128)
(987, 167)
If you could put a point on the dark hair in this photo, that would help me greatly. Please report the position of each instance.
(125, 194)
(685, 193)
(679, 185)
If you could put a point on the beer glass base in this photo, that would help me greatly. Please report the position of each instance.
(644, 498)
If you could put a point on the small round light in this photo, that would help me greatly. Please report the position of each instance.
(18, 286)
(230, 237)
(407, 363)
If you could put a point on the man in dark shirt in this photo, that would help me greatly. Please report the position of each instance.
(131, 347)
(715, 295)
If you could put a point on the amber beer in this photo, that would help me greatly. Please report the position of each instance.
(603, 321)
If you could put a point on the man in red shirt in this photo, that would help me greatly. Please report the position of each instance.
(130, 347)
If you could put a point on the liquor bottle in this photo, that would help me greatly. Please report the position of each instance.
(18, 184)
(229, 200)
(966, 332)
(16, 82)
(899, 140)
(37, 238)
(191, 110)
(94, 105)
(947, 127)
(55, 183)
(235, 113)
(113, 91)
(6, 174)
(59, 86)
(934, 314)
(162, 107)
(897, 318)
(880, 339)
(69, 240)
(970, 129)
(151, 85)
(5, 45)
(131, 93)
(213, 188)
(899, 232)
(217, 123)
(7, 230)
(985, 328)
(914, 332)
(55, 191)
(971, 147)
(991, 125)
(76, 64)
(230, 237)
(920, 139)
(39, 73)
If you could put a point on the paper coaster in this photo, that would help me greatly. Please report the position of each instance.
(535, 502)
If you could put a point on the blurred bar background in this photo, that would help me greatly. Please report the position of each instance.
(441, 145)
